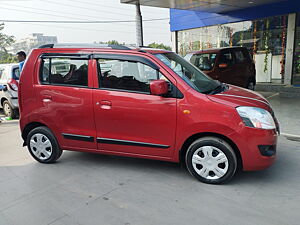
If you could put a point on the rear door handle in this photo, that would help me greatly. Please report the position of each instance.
(104, 104)
(47, 98)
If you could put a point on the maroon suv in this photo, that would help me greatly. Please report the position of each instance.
(232, 65)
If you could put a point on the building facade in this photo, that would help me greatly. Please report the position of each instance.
(270, 31)
(31, 41)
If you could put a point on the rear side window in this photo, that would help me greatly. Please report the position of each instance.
(64, 71)
(227, 58)
(126, 75)
(205, 61)
(240, 56)
(16, 73)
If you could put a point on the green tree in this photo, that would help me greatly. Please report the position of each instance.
(114, 42)
(7, 58)
(5, 40)
(159, 46)
(111, 42)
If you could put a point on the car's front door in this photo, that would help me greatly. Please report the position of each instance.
(129, 120)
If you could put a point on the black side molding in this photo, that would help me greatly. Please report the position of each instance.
(131, 143)
(78, 137)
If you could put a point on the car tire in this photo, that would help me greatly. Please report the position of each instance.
(43, 145)
(251, 86)
(211, 160)
(9, 111)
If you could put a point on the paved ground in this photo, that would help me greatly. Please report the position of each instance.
(90, 189)
(287, 111)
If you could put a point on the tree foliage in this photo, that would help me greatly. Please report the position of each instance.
(114, 42)
(5, 40)
(159, 46)
(111, 42)
(7, 58)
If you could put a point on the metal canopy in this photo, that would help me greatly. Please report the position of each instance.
(215, 6)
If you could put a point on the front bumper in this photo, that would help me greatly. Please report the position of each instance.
(250, 142)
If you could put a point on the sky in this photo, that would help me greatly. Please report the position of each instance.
(83, 10)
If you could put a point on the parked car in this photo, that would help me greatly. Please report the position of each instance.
(143, 103)
(231, 65)
(9, 76)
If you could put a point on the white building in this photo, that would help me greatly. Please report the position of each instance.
(31, 41)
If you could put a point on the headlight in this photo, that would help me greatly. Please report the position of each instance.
(256, 117)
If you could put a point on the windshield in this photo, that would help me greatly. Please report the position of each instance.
(189, 73)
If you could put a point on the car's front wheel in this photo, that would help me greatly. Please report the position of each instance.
(43, 145)
(211, 160)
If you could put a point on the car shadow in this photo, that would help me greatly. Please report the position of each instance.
(170, 169)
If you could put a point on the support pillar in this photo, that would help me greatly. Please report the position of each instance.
(288, 70)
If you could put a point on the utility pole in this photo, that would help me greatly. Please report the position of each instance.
(139, 25)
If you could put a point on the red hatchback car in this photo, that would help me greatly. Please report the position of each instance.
(143, 103)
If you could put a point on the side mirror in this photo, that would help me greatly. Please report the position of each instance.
(158, 87)
(223, 65)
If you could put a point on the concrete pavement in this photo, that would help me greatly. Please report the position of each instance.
(287, 110)
(90, 189)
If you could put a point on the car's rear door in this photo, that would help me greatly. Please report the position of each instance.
(227, 74)
(129, 120)
(243, 68)
(65, 99)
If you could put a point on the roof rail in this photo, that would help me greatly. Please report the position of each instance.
(71, 45)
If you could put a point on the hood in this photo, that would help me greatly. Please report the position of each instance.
(236, 96)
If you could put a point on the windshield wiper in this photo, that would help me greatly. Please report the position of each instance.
(220, 88)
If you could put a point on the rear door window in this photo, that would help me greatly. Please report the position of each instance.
(205, 61)
(240, 56)
(16, 73)
(64, 71)
(227, 58)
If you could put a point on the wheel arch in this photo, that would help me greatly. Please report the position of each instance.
(2, 100)
(30, 127)
(194, 137)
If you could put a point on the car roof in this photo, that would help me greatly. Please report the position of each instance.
(104, 47)
(215, 50)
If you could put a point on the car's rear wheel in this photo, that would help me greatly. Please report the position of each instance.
(43, 145)
(211, 160)
(9, 111)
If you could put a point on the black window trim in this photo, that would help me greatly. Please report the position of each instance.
(124, 90)
(129, 58)
(66, 55)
